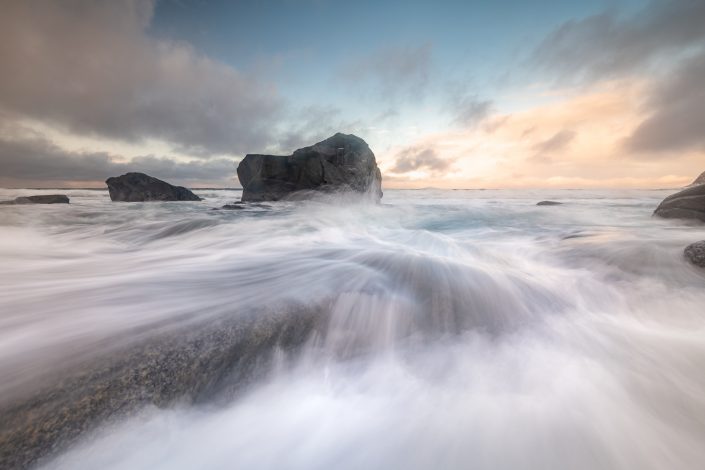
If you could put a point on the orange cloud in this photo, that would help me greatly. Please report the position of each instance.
(573, 141)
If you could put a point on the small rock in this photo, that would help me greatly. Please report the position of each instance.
(695, 253)
(39, 199)
(549, 203)
(686, 204)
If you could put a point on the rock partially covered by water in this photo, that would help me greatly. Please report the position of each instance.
(40, 199)
(695, 253)
(342, 163)
(138, 187)
(548, 203)
(686, 204)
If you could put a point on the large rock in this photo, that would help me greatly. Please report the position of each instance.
(695, 253)
(40, 199)
(138, 187)
(342, 163)
(686, 204)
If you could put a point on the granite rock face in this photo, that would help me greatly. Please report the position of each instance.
(40, 199)
(342, 163)
(138, 187)
(695, 253)
(686, 204)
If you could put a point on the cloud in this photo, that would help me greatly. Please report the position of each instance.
(392, 73)
(607, 45)
(90, 68)
(37, 161)
(557, 142)
(676, 108)
(414, 158)
(470, 110)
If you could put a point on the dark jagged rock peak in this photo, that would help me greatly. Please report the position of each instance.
(138, 187)
(695, 253)
(341, 163)
(40, 199)
(548, 203)
(688, 203)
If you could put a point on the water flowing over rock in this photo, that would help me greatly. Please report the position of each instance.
(138, 187)
(686, 204)
(341, 163)
(40, 199)
(695, 253)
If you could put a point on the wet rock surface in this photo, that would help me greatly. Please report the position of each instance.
(695, 253)
(139, 187)
(341, 163)
(686, 204)
(549, 203)
(189, 365)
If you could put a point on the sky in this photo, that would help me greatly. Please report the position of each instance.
(448, 94)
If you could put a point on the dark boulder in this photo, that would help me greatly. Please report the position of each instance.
(549, 203)
(686, 204)
(138, 187)
(342, 163)
(40, 199)
(695, 253)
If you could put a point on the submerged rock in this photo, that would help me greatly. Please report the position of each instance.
(686, 204)
(549, 203)
(695, 253)
(341, 163)
(40, 199)
(138, 187)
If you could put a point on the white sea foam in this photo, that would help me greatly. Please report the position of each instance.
(468, 329)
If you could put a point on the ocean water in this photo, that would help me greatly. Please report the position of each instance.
(464, 329)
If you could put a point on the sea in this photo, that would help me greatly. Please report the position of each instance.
(456, 329)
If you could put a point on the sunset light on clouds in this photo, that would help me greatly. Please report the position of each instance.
(591, 94)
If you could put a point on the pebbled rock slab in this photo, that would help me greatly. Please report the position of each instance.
(549, 203)
(686, 204)
(695, 253)
(39, 199)
(341, 163)
(138, 187)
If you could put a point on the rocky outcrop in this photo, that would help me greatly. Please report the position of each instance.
(695, 253)
(40, 199)
(548, 203)
(686, 204)
(342, 163)
(138, 187)
(699, 180)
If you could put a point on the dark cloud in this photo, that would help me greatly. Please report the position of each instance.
(40, 162)
(415, 158)
(607, 45)
(557, 142)
(90, 68)
(393, 73)
(676, 110)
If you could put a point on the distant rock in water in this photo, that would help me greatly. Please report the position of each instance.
(41, 199)
(549, 203)
(695, 253)
(138, 187)
(686, 204)
(342, 163)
